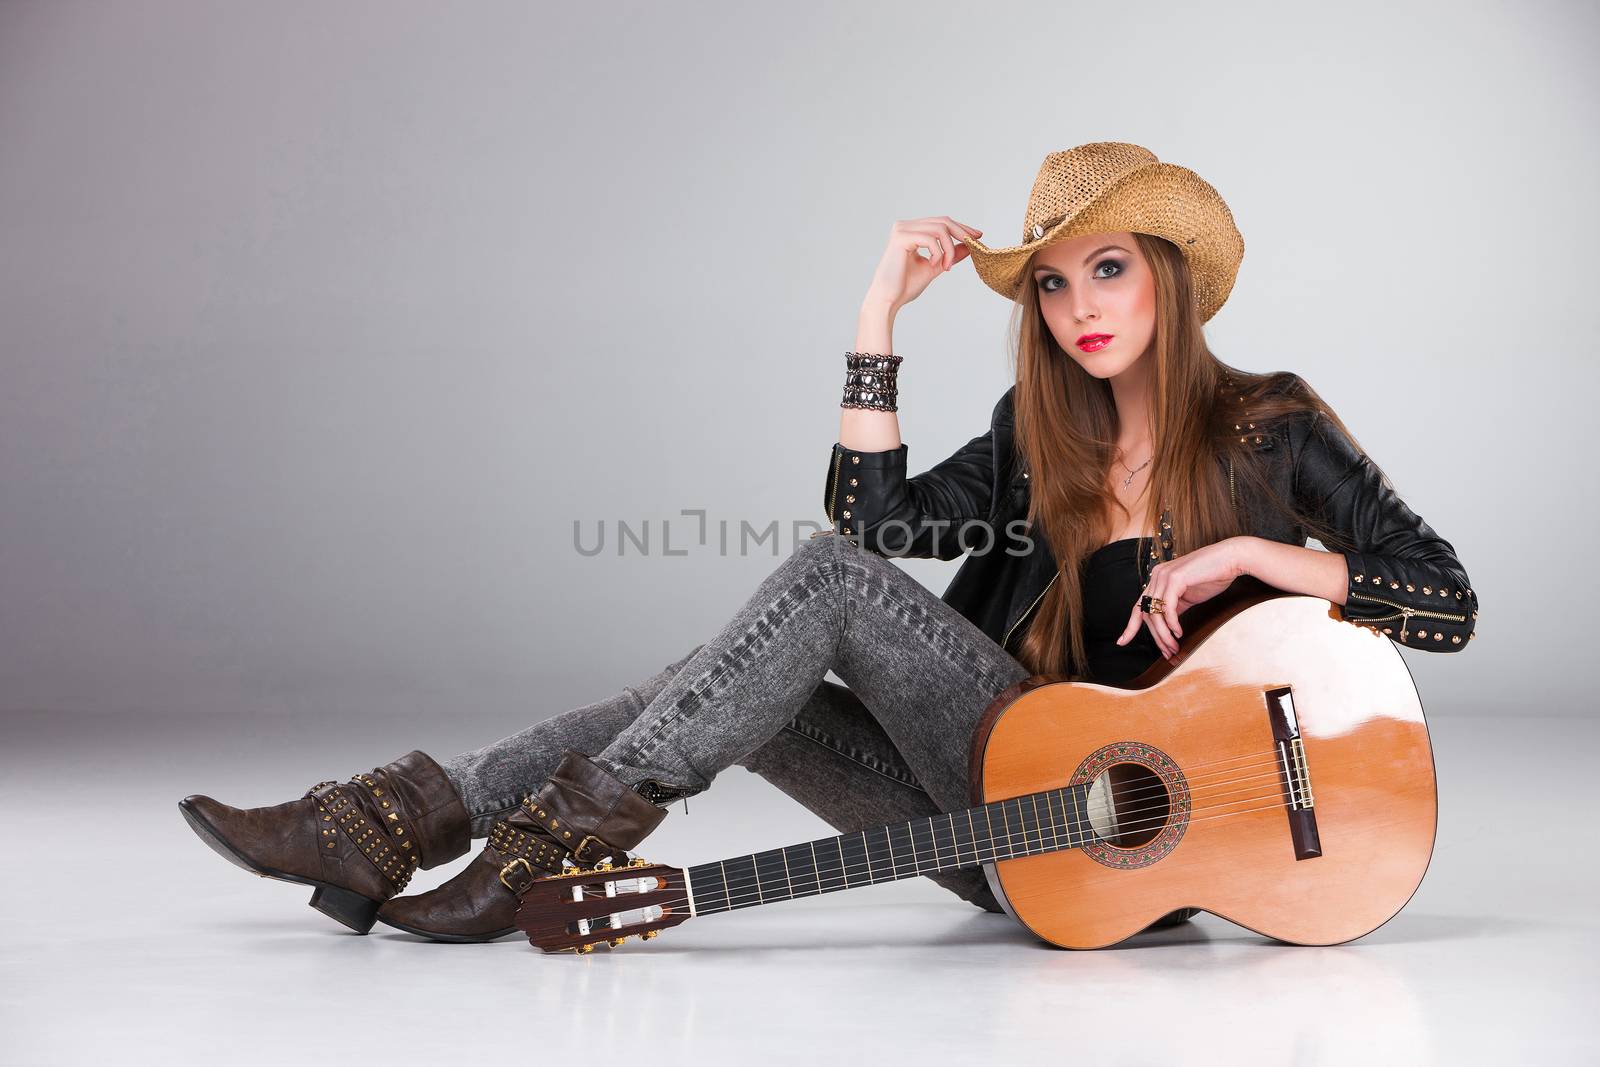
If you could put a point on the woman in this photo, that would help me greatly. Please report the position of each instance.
(1118, 404)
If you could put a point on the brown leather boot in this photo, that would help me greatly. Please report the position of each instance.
(357, 843)
(582, 813)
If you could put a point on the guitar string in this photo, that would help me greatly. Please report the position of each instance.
(1264, 759)
(752, 892)
(1143, 792)
(1269, 770)
(1140, 793)
(1130, 821)
(1193, 768)
(1130, 817)
(1133, 816)
(1269, 757)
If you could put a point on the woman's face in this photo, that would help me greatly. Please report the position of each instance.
(1097, 284)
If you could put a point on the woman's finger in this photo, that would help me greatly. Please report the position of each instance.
(1173, 598)
(970, 229)
(915, 237)
(1135, 620)
(1157, 590)
(1164, 638)
(951, 230)
(951, 239)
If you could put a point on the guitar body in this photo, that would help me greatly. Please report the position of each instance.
(1315, 840)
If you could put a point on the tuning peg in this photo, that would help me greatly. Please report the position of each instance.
(638, 861)
(615, 941)
(583, 948)
(649, 935)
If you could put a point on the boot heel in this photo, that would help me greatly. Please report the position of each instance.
(354, 910)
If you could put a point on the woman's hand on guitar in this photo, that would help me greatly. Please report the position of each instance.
(902, 273)
(1180, 584)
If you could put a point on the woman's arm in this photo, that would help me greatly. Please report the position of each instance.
(868, 496)
(864, 428)
(1293, 568)
(1400, 577)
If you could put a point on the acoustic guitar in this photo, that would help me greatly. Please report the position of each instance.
(1279, 775)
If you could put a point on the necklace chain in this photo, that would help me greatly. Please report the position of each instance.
(1131, 472)
(1138, 558)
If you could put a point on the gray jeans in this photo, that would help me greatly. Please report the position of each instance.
(890, 745)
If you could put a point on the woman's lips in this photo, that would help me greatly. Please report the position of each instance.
(1094, 342)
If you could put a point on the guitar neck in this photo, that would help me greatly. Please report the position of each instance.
(1017, 826)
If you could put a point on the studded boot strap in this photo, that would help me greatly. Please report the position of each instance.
(372, 818)
(521, 857)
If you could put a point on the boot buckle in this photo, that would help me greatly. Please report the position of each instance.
(527, 869)
(577, 852)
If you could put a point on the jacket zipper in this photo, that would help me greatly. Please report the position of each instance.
(1405, 612)
(833, 493)
(1035, 604)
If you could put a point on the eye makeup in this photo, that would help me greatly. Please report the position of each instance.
(1110, 261)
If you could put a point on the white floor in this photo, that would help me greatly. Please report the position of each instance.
(125, 940)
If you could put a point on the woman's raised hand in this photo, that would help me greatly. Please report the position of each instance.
(903, 273)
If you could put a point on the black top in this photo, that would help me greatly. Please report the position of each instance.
(1111, 584)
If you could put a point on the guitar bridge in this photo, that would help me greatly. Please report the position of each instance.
(1294, 773)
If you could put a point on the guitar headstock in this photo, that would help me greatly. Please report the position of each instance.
(585, 906)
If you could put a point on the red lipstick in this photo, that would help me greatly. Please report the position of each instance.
(1094, 342)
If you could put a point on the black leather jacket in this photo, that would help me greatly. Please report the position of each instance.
(1403, 578)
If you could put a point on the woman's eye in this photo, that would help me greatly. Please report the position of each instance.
(1115, 265)
(1044, 283)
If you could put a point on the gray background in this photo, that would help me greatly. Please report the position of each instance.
(321, 324)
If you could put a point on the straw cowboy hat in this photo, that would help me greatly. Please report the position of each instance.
(1109, 186)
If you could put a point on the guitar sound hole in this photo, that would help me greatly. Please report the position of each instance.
(1128, 805)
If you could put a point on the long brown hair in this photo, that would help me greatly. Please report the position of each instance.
(1066, 430)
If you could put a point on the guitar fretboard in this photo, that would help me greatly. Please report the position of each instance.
(1017, 826)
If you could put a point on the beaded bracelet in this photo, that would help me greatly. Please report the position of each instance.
(871, 381)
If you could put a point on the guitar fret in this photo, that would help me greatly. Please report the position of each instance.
(970, 848)
(902, 849)
(853, 860)
(739, 875)
(830, 867)
(880, 860)
(1008, 827)
(710, 891)
(770, 875)
(802, 861)
(1022, 845)
(935, 849)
